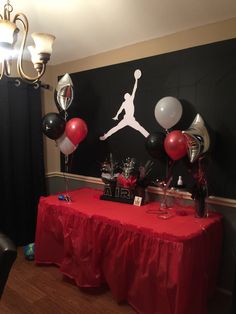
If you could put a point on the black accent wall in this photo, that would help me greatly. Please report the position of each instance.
(204, 80)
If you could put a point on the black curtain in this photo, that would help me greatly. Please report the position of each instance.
(21, 159)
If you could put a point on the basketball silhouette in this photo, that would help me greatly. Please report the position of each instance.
(137, 74)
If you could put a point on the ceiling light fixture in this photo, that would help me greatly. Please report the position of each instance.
(9, 31)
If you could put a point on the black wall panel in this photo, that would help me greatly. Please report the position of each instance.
(202, 78)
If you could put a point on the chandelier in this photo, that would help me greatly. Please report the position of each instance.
(9, 35)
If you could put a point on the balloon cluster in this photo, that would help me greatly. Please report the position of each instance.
(176, 144)
(67, 134)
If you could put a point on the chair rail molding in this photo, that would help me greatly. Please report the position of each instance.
(151, 189)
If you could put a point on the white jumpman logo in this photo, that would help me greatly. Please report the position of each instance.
(128, 118)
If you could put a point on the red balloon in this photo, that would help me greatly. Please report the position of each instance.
(175, 145)
(76, 130)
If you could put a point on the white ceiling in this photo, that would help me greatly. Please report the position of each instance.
(87, 27)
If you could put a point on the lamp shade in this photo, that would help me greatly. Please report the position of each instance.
(43, 42)
(35, 57)
(8, 31)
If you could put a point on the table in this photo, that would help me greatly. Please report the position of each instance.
(158, 266)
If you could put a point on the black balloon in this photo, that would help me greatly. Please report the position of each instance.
(53, 125)
(155, 145)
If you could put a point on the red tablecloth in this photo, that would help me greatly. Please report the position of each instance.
(158, 266)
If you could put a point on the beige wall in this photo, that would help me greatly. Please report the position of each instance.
(186, 39)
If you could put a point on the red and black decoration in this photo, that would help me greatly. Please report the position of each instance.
(67, 134)
(125, 181)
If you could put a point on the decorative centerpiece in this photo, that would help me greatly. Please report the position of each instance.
(110, 171)
(126, 182)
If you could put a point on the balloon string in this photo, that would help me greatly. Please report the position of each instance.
(66, 115)
(168, 180)
(66, 168)
(66, 163)
(67, 196)
(169, 168)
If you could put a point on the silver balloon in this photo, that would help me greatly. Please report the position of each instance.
(64, 92)
(197, 137)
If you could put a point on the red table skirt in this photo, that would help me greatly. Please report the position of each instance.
(158, 266)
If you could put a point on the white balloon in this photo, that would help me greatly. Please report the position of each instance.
(65, 145)
(168, 111)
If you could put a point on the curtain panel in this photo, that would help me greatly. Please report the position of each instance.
(21, 158)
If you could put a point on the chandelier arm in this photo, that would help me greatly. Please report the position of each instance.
(7, 67)
(7, 11)
(23, 19)
(2, 70)
(32, 80)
